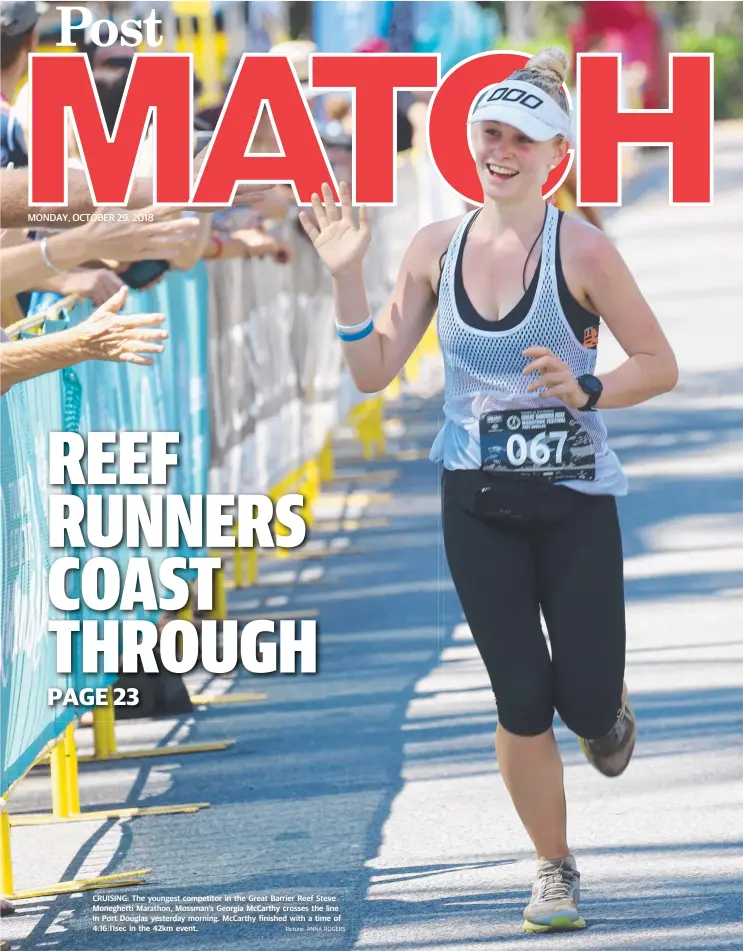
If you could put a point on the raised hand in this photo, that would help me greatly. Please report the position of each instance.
(153, 233)
(98, 284)
(125, 338)
(339, 241)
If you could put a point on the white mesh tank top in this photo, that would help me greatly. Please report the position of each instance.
(483, 369)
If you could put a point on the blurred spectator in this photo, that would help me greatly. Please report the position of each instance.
(339, 108)
(338, 145)
(298, 52)
(18, 39)
(634, 30)
(418, 116)
(105, 335)
(411, 106)
(246, 243)
(110, 83)
(115, 56)
(404, 99)
(111, 75)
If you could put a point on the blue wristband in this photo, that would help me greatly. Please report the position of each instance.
(349, 338)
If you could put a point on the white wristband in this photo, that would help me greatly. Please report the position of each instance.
(45, 255)
(354, 328)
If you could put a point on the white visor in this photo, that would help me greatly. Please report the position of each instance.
(524, 106)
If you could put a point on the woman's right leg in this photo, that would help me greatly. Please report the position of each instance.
(492, 566)
(531, 767)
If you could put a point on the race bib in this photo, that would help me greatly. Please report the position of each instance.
(544, 443)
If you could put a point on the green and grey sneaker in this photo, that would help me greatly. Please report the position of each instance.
(555, 897)
(611, 754)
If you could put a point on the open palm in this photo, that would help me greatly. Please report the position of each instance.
(337, 238)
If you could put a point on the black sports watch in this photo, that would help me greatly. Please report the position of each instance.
(592, 387)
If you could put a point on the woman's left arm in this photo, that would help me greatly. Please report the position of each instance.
(651, 366)
(612, 292)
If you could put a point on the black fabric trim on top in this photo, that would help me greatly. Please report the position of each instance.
(466, 308)
(578, 316)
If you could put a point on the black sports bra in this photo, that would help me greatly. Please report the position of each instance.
(583, 322)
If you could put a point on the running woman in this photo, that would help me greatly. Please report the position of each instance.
(529, 484)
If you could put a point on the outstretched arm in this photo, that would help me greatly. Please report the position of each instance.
(105, 335)
(15, 209)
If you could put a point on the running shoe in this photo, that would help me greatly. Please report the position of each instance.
(555, 897)
(611, 754)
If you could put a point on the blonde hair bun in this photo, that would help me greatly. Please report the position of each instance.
(552, 61)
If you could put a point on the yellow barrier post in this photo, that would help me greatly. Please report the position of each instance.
(110, 720)
(413, 367)
(362, 430)
(363, 424)
(310, 489)
(292, 483)
(252, 565)
(369, 423)
(73, 784)
(185, 614)
(58, 767)
(377, 425)
(393, 390)
(6, 862)
(327, 462)
(238, 563)
(100, 733)
(219, 605)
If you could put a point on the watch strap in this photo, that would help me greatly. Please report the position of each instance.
(593, 398)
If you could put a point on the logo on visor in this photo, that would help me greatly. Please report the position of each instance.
(509, 94)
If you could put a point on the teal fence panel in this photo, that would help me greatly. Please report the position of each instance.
(172, 395)
(29, 652)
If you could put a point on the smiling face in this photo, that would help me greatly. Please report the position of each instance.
(510, 165)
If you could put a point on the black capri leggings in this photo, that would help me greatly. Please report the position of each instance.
(514, 547)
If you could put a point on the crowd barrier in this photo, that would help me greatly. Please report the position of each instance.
(252, 378)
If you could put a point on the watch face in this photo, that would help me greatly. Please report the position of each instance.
(590, 384)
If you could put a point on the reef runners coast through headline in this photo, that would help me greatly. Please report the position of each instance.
(104, 521)
(159, 91)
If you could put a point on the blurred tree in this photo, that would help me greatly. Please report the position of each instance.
(705, 16)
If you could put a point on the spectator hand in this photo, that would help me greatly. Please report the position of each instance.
(193, 245)
(246, 193)
(275, 204)
(125, 338)
(151, 234)
(98, 285)
(258, 244)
